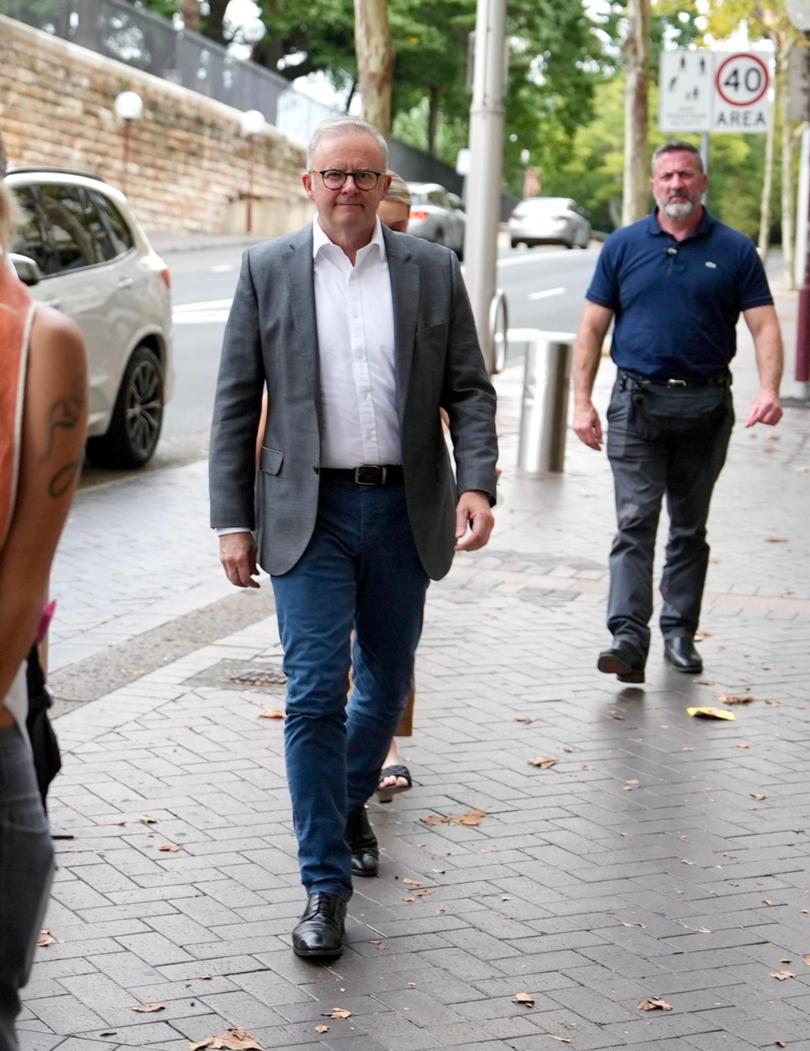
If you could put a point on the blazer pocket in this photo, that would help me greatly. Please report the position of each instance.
(271, 460)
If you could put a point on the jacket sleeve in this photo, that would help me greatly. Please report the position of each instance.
(237, 405)
(468, 397)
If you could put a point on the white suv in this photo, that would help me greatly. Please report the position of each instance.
(81, 250)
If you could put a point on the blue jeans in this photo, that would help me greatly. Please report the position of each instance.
(26, 868)
(360, 571)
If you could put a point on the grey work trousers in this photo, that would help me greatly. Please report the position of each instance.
(684, 470)
(26, 870)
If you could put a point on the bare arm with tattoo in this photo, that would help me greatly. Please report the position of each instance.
(54, 428)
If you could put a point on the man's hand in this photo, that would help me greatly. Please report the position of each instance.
(587, 425)
(473, 509)
(237, 553)
(766, 409)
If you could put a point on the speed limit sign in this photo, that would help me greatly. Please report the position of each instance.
(741, 83)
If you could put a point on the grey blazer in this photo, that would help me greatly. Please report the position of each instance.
(271, 337)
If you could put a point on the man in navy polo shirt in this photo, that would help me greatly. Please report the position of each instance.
(675, 283)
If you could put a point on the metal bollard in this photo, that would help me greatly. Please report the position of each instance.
(544, 410)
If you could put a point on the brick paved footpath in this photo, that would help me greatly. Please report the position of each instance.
(661, 856)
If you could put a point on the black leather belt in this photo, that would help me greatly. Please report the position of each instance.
(368, 474)
(723, 380)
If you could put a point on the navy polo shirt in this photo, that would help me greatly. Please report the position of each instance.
(676, 303)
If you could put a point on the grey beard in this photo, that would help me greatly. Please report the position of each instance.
(678, 210)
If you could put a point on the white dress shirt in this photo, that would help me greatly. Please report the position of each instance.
(354, 311)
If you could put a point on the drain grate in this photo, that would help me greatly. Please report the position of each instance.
(236, 675)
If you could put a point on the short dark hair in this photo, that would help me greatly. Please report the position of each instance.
(677, 146)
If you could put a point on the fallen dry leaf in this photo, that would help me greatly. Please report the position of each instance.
(569, 749)
(743, 745)
(169, 848)
(806, 959)
(704, 682)
(587, 766)
(321, 1028)
(758, 796)
(614, 713)
(631, 784)
(149, 1009)
(46, 938)
(409, 900)
(108, 824)
(767, 901)
(338, 1012)
(562, 1039)
(525, 719)
(377, 943)
(270, 713)
(703, 633)
(412, 882)
(782, 976)
(633, 923)
(776, 539)
(473, 817)
(654, 1003)
(545, 762)
(233, 1040)
(523, 998)
(711, 713)
(774, 704)
(147, 820)
(735, 698)
(702, 930)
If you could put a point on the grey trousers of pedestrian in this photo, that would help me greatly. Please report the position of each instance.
(26, 870)
(684, 471)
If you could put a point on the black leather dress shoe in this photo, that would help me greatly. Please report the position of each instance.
(362, 843)
(681, 654)
(320, 930)
(625, 663)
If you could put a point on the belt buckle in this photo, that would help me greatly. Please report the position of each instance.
(677, 383)
(370, 474)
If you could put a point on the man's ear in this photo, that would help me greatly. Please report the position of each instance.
(306, 179)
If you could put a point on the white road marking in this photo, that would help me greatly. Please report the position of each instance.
(547, 292)
(213, 311)
(222, 268)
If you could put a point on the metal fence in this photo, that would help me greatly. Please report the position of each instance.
(141, 39)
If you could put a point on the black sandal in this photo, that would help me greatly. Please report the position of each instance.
(387, 793)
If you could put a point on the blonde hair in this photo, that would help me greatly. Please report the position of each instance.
(398, 191)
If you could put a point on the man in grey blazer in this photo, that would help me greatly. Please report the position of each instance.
(361, 336)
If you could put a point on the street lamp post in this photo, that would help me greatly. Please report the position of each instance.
(799, 14)
(128, 106)
(252, 124)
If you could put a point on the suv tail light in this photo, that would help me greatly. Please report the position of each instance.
(416, 213)
(166, 275)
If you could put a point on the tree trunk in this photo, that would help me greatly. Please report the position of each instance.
(782, 100)
(191, 14)
(767, 189)
(433, 117)
(636, 53)
(375, 61)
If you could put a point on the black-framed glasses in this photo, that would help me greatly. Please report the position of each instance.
(335, 179)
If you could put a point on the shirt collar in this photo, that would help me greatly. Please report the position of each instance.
(321, 240)
(703, 227)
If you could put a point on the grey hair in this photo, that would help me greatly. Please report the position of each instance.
(676, 146)
(398, 191)
(337, 125)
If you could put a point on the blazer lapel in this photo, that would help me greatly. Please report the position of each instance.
(300, 274)
(404, 276)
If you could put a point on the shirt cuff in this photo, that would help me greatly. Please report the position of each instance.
(233, 529)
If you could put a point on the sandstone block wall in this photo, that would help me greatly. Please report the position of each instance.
(188, 169)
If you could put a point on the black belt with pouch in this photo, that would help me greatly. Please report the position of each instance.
(664, 408)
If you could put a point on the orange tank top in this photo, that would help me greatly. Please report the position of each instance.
(16, 316)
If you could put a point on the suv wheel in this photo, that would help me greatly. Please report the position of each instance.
(136, 420)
